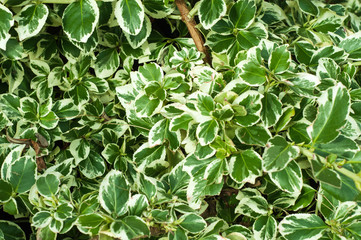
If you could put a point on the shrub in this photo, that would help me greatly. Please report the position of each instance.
(161, 119)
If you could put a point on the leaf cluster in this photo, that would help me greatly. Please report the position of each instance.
(114, 126)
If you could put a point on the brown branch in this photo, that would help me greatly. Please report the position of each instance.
(193, 31)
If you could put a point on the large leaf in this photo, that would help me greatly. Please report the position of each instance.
(130, 15)
(210, 11)
(31, 20)
(334, 107)
(114, 193)
(80, 19)
(302, 226)
(6, 22)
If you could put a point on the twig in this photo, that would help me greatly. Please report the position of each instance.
(193, 31)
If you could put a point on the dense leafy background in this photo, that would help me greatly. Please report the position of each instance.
(113, 126)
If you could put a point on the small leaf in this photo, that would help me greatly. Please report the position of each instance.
(265, 228)
(278, 154)
(193, 223)
(129, 228)
(252, 73)
(334, 105)
(280, 59)
(106, 63)
(6, 191)
(48, 185)
(245, 167)
(254, 135)
(308, 7)
(6, 23)
(271, 109)
(207, 131)
(288, 179)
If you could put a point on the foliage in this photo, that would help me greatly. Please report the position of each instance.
(113, 125)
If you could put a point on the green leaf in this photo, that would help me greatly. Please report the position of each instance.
(31, 20)
(252, 73)
(271, 109)
(79, 94)
(334, 105)
(280, 59)
(205, 104)
(158, 8)
(41, 219)
(80, 19)
(210, 11)
(6, 22)
(130, 15)
(192, 223)
(137, 204)
(65, 109)
(307, 6)
(304, 84)
(265, 228)
(135, 41)
(49, 121)
(80, 149)
(251, 203)
(146, 107)
(48, 185)
(352, 46)
(219, 43)
(146, 154)
(207, 131)
(21, 174)
(6, 191)
(129, 228)
(298, 133)
(180, 122)
(251, 100)
(304, 51)
(91, 220)
(93, 166)
(288, 179)
(245, 167)
(324, 174)
(302, 226)
(246, 39)
(254, 135)
(114, 193)
(278, 154)
(11, 231)
(106, 63)
(242, 13)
